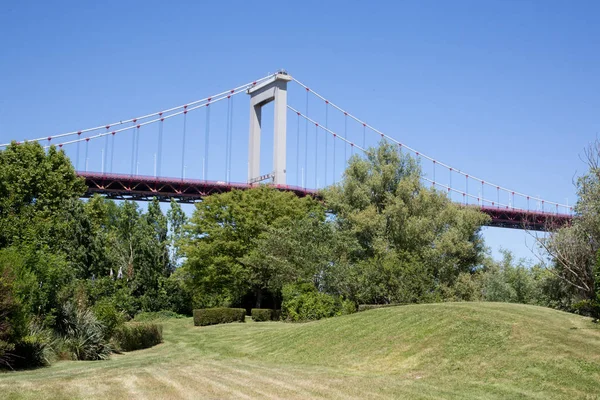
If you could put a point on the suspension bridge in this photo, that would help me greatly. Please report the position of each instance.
(323, 137)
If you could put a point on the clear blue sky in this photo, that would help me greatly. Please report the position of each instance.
(505, 90)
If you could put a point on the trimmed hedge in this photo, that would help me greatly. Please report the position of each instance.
(137, 335)
(365, 307)
(213, 316)
(156, 315)
(262, 314)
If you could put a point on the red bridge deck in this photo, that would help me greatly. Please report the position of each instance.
(143, 188)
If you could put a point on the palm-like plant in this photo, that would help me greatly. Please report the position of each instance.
(82, 334)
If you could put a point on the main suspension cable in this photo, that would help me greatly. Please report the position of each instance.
(107, 126)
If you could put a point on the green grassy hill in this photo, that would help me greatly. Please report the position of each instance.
(437, 351)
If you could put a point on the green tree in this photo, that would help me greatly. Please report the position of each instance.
(227, 227)
(510, 280)
(411, 239)
(301, 251)
(102, 251)
(139, 245)
(13, 316)
(34, 185)
(158, 224)
(575, 249)
(176, 219)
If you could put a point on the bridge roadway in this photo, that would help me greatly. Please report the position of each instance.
(144, 188)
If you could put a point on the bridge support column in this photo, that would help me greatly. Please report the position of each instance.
(274, 89)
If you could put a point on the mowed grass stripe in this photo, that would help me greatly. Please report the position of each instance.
(296, 385)
(430, 351)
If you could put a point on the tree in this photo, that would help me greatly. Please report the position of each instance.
(411, 239)
(575, 249)
(34, 185)
(13, 322)
(511, 280)
(157, 223)
(76, 239)
(224, 231)
(103, 253)
(176, 221)
(138, 243)
(301, 251)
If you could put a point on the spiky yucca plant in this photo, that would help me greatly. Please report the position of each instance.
(81, 333)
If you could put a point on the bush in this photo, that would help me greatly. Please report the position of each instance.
(262, 314)
(109, 316)
(137, 335)
(156, 315)
(81, 335)
(213, 316)
(305, 303)
(33, 350)
(348, 307)
(365, 307)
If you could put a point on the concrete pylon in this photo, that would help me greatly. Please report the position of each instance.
(273, 89)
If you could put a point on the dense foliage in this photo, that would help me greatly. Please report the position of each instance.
(72, 271)
(224, 252)
(403, 242)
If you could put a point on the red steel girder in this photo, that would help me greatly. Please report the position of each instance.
(145, 188)
(136, 187)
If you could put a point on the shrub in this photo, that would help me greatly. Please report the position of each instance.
(305, 303)
(348, 307)
(262, 314)
(156, 315)
(137, 335)
(366, 307)
(33, 350)
(109, 316)
(81, 334)
(213, 316)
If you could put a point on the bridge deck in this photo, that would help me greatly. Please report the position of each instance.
(143, 188)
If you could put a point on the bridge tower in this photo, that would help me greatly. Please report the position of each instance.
(273, 89)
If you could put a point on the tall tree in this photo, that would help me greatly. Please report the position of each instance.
(411, 239)
(225, 228)
(34, 184)
(301, 251)
(176, 220)
(158, 224)
(575, 249)
(103, 251)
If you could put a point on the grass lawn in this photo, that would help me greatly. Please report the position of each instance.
(430, 351)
